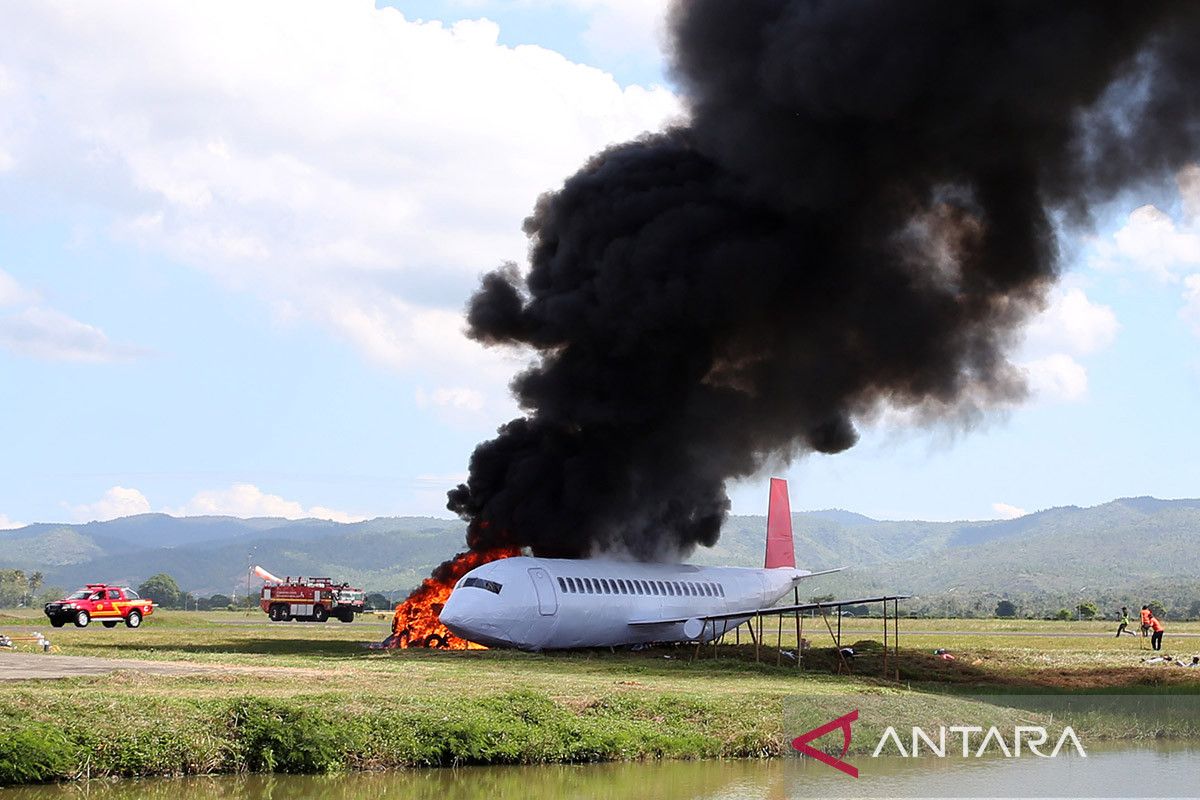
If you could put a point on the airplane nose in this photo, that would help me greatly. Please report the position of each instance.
(454, 614)
(469, 618)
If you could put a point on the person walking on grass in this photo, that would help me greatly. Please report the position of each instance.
(1124, 626)
(1156, 637)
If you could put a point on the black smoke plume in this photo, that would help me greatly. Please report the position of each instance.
(859, 213)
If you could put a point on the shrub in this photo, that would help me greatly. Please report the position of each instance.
(33, 754)
(272, 737)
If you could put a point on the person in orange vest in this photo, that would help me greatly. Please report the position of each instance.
(1146, 615)
(1156, 637)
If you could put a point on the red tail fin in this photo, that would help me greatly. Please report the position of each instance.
(780, 550)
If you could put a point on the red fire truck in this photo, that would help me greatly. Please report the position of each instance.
(308, 599)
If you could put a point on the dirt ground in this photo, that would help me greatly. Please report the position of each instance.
(39, 666)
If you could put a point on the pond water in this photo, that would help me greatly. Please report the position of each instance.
(1159, 771)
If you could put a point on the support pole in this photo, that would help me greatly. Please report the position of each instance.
(779, 642)
(839, 638)
(896, 637)
(841, 658)
(799, 640)
(796, 599)
(758, 638)
(885, 637)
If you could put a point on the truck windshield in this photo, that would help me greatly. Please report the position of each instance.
(79, 594)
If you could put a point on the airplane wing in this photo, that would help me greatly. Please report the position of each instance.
(815, 574)
(750, 612)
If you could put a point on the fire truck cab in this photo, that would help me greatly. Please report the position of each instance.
(310, 600)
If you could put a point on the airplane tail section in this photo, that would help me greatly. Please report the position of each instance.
(781, 552)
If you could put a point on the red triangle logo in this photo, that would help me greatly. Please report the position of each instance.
(801, 743)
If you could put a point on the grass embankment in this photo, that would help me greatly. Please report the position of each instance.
(298, 697)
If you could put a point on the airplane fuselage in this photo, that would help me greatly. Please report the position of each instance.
(549, 603)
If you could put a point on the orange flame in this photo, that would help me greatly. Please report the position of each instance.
(416, 622)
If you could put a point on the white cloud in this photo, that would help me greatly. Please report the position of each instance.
(1071, 326)
(7, 524)
(351, 166)
(239, 500)
(47, 334)
(247, 500)
(1056, 377)
(12, 293)
(1072, 323)
(118, 501)
(1151, 241)
(1191, 302)
(1006, 511)
(451, 397)
(38, 332)
(625, 28)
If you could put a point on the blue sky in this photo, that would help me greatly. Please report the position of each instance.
(235, 244)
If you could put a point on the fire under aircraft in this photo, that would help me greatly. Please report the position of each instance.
(555, 603)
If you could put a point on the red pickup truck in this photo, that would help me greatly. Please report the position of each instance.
(109, 604)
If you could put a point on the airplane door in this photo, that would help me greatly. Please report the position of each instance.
(547, 599)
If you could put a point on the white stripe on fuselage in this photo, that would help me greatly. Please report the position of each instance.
(595, 600)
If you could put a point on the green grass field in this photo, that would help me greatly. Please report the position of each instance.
(266, 684)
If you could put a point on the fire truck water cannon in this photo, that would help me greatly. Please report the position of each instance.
(308, 599)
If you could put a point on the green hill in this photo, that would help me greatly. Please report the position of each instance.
(1125, 551)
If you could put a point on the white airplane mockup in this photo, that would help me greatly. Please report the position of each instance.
(556, 603)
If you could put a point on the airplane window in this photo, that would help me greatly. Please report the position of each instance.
(707, 589)
(562, 585)
(678, 587)
(587, 584)
(481, 583)
(653, 587)
(720, 590)
(604, 584)
(691, 587)
(672, 588)
(621, 586)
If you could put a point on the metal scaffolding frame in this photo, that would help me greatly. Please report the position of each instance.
(753, 622)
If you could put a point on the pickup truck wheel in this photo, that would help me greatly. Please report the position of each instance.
(82, 618)
(319, 613)
(133, 620)
(109, 623)
(58, 623)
